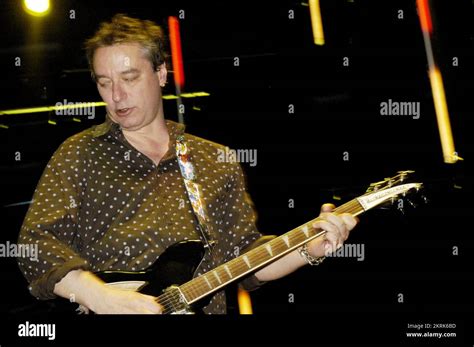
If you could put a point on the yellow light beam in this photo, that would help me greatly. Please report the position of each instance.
(442, 116)
(86, 104)
(316, 22)
(245, 303)
(194, 95)
(50, 108)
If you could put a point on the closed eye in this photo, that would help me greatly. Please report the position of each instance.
(104, 84)
(130, 79)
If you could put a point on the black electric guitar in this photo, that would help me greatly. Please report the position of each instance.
(171, 280)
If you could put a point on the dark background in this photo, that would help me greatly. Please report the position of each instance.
(300, 154)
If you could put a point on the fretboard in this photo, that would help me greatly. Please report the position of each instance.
(258, 257)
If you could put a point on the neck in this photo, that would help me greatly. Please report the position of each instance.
(152, 140)
(156, 131)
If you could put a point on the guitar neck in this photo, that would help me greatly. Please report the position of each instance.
(259, 257)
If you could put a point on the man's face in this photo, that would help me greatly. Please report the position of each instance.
(128, 84)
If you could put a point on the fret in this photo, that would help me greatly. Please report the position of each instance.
(305, 230)
(268, 247)
(216, 275)
(257, 256)
(247, 261)
(207, 281)
(227, 270)
(280, 245)
(286, 240)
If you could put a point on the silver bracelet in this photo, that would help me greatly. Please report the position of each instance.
(313, 261)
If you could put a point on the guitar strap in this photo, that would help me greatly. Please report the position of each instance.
(194, 190)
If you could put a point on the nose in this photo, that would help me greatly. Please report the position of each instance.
(118, 94)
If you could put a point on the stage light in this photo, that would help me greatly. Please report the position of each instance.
(316, 22)
(50, 108)
(37, 8)
(177, 61)
(442, 116)
(245, 303)
(87, 104)
(439, 97)
(176, 52)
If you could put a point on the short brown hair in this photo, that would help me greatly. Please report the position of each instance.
(124, 29)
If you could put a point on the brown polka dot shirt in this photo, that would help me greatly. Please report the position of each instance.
(102, 205)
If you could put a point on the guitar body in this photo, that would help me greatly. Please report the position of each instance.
(174, 267)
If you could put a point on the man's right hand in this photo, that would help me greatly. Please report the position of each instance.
(91, 292)
(119, 301)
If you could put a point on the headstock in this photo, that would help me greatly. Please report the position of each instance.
(392, 190)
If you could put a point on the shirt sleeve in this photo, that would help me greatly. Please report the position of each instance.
(51, 224)
(241, 218)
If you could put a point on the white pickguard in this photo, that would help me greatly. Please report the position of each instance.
(128, 285)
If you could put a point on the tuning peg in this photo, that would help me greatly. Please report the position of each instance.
(405, 172)
(374, 186)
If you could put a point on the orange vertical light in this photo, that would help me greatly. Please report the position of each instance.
(245, 303)
(425, 15)
(316, 22)
(176, 53)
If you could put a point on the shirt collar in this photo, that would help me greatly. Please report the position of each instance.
(111, 128)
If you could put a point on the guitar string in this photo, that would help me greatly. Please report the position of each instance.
(172, 300)
(198, 287)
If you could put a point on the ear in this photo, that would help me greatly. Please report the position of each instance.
(162, 73)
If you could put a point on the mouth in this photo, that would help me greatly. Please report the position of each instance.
(123, 112)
